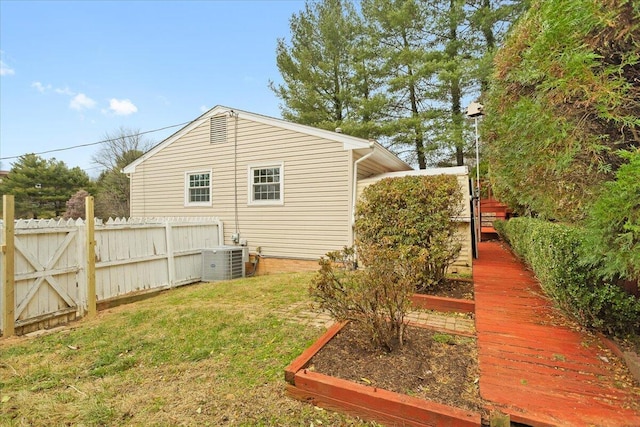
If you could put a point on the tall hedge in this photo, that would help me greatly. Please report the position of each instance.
(412, 216)
(612, 245)
(555, 252)
(564, 99)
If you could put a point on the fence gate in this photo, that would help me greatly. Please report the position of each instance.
(52, 276)
(47, 271)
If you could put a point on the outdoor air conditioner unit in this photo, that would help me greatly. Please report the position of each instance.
(223, 263)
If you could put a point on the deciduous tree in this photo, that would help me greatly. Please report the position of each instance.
(119, 149)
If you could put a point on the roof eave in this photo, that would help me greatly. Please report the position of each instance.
(348, 142)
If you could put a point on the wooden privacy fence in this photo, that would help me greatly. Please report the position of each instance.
(49, 275)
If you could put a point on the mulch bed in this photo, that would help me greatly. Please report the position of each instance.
(432, 365)
(454, 288)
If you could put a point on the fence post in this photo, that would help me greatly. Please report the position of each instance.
(90, 223)
(171, 268)
(8, 267)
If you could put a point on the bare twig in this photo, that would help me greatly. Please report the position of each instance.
(76, 389)
(9, 366)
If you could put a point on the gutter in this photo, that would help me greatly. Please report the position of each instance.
(355, 186)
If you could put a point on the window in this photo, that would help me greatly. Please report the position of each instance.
(265, 184)
(198, 188)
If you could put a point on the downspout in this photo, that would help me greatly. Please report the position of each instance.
(355, 188)
(235, 237)
(220, 232)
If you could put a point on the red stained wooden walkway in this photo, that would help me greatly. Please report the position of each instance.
(540, 373)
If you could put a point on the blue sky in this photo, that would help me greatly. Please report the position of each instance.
(72, 71)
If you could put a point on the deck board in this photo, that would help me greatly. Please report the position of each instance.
(532, 368)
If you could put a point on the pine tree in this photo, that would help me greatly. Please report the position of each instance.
(399, 71)
(42, 187)
(325, 75)
(399, 28)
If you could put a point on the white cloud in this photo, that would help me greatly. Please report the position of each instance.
(5, 70)
(122, 107)
(40, 87)
(60, 91)
(82, 102)
(204, 108)
(64, 91)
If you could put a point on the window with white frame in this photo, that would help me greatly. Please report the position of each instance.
(198, 188)
(266, 184)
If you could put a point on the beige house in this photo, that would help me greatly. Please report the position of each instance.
(285, 190)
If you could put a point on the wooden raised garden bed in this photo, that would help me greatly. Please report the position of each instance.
(450, 305)
(365, 401)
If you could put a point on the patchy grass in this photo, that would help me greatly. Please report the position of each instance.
(208, 354)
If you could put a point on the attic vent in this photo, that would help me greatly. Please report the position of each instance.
(218, 130)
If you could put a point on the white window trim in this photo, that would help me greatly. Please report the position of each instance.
(265, 165)
(187, 203)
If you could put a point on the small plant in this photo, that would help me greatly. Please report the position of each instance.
(443, 338)
(405, 241)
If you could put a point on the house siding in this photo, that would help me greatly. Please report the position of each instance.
(315, 215)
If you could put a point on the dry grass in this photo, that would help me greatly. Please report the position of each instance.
(208, 354)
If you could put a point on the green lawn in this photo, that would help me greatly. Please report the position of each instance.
(206, 354)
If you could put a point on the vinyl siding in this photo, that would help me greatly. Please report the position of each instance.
(314, 218)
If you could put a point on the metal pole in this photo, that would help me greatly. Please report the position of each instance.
(475, 119)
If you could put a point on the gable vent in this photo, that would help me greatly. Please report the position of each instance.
(218, 130)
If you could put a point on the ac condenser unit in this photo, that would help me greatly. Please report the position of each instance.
(223, 263)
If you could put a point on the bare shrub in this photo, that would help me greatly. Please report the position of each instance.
(376, 299)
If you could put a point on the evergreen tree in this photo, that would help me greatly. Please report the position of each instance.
(42, 187)
(454, 42)
(318, 65)
(399, 28)
(490, 20)
(564, 100)
(398, 71)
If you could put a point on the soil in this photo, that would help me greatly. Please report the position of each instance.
(454, 288)
(436, 366)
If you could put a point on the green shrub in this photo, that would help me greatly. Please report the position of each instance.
(555, 252)
(411, 215)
